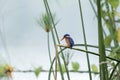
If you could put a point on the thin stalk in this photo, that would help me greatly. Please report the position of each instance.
(93, 7)
(58, 41)
(85, 41)
(49, 47)
(56, 57)
(92, 46)
(46, 71)
(62, 76)
(50, 70)
(113, 71)
(48, 42)
(102, 58)
(49, 51)
(46, 7)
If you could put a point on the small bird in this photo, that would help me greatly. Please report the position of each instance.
(69, 41)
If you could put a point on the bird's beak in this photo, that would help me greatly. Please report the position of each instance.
(62, 38)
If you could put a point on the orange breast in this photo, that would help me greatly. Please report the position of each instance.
(67, 42)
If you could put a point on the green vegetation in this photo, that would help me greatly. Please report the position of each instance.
(108, 46)
(37, 71)
(75, 66)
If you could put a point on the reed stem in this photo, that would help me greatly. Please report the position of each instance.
(85, 41)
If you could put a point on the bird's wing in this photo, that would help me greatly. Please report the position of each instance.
(71, 42)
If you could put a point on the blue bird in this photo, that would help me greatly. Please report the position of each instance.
(69, 41)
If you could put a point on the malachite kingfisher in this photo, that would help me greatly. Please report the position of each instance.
(69, 41)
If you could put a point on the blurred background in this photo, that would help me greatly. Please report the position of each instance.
(23, 43)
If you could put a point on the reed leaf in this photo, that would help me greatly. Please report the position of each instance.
(55, 30)
(53, 35)
(85, 41)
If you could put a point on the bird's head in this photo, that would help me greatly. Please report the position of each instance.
(65, 36)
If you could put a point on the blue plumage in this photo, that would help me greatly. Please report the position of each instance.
(69, 40)
(66, 35)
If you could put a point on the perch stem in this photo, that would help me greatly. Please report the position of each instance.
(56, 62)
